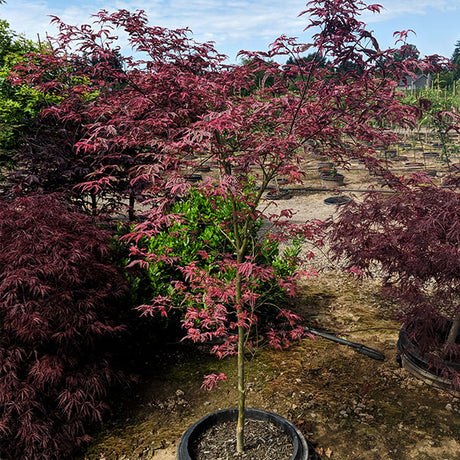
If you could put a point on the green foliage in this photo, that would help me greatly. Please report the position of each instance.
(436, 116)
(17, 103)
(316, 58)
(455, 59)
(444, 80)
(12, 44)
(198, 236)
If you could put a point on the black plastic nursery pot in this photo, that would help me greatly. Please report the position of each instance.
(193, 177)
(281, 194)
(338, 200)
(336, 179)
(324, 170)
(300, 446)
(419, 364)
(414, 165)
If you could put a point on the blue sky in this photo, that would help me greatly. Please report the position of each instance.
(247, 24)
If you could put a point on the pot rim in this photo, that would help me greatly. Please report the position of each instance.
(406, 346)
(418, 365)
(298, 440)
(332, 176)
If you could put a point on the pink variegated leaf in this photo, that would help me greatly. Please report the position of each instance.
(211, 381)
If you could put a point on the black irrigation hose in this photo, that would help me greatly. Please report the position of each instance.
(360, 348)
(372, 329)
(323, 189)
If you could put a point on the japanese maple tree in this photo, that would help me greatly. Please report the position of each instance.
(58, 311)
(112, 113)
(413, 240)
(181, 106)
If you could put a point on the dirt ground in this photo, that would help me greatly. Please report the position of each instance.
(349, 406)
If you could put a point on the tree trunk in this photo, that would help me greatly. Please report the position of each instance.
(131, 207)
(454, 330)
(241, 393)
(241, 379)
(241, 243)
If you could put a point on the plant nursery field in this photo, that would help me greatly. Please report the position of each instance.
(348, 405)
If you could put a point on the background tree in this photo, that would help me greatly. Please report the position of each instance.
(408, 51)
(18, 104)
(455, 59)
(316, 58)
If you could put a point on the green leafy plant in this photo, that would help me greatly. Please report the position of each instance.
(438, 112)
(17, 103)
(195, 235)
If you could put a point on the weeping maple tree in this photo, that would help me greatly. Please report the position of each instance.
(412, 239)
(180, 106)
(58, 321)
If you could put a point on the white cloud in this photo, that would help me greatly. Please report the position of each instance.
(396, 8)
(232, 24)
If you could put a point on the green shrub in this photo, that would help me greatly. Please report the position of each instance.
(197, 236)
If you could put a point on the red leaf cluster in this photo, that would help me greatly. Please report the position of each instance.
(57, 294)
(413, 240)
(413, 237)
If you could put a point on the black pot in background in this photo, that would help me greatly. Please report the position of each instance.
(300, 444)
(335, 178)
(281, 194)
(193, 177)
(419, 365)
(338, 200)
(414, 165)
(327, 170)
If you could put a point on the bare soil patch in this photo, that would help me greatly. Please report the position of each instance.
(262, 440)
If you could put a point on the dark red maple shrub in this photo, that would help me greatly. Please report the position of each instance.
(58, 313)
(412, 239)
(49, 159)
